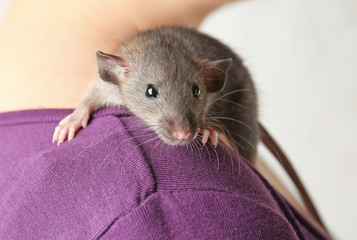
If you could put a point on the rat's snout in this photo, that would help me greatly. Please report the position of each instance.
(181, 134)
(178, 130)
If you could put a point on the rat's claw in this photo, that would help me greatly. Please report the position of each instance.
(71, 133)
(205, 135)
(84, 123)
(194, 137)
(56, 134)
(214, 137)
(71, 124)
(62, 136)
(209, 132)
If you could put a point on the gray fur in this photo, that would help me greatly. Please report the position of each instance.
(173, 59)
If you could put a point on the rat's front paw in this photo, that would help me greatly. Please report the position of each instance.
(69, 126)
(209, 132)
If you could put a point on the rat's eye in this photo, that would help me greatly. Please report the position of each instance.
(195, 91)
(151, 91)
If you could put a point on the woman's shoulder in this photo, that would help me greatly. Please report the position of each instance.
(201, 214)
(116, 177)
(76, 189)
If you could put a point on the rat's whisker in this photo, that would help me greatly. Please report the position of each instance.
(235, 120)
(208, 153)
(100, 139)
(194, 143)
(246, 140)
(132, 152)
(216, 153)
(234, 103)
(232, 92)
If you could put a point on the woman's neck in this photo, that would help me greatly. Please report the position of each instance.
(48, 57)
(48, 47)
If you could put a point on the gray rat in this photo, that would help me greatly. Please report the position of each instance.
(179, 82)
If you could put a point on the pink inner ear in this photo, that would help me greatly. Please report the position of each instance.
(214, 79)
(112, 68)
(215, 74)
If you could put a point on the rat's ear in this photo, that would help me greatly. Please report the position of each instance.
(111, 68)
(215, 74)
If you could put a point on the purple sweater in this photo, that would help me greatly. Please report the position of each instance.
(113, 182)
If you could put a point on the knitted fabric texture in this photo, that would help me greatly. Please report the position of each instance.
(116, 180)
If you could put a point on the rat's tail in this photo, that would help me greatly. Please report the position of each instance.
(274, 148)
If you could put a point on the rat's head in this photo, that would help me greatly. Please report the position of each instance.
(168, 91)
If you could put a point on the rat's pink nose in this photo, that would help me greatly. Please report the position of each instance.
(181, 134)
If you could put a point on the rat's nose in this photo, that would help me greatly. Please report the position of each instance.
(181, 134)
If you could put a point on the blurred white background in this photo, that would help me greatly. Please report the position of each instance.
(303, 57)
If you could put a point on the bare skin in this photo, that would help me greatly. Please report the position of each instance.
(48, 54)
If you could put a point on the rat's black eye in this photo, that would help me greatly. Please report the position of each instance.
(195, 91)
(151, 91)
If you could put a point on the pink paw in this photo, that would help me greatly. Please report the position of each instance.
(206, 133)
(69, 126)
